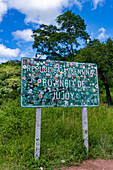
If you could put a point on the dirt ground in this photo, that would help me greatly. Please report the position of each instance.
(98, 164)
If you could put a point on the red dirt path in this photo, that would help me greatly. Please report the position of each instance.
(98, 164)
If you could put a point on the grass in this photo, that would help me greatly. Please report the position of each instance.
(60, 140)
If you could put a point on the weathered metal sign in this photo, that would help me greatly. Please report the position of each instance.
(50, 83)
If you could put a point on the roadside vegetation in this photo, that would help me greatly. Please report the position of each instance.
(61, 140)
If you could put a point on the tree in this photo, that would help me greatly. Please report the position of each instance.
(102, 55)
(12, 62)
(60, 42)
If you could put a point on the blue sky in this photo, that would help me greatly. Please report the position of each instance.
(19, 17)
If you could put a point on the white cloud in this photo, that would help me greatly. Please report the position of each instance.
(25, 54)
(39, 11)
(42, 11)
(8, 52)
(96, 2)
(3, 60)
(23, 35)
(3, 9)
(102, 35)
(27, 51)
(22, 55)
(79, 4)
(92, 35)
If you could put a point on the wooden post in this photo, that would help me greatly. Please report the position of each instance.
(37, 133)
(85, 127)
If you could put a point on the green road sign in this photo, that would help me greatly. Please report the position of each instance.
(50, 83)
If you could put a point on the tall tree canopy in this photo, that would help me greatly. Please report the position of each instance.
(102, 55)
(60, 42)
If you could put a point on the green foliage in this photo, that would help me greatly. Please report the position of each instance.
(18, 130)
(102, 55)
(60, 42)
(60, 140)
(11, 62)
(100, 132)
(3, 75)
(9, 81)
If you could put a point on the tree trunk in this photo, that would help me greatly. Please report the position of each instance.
(108, 94)
(107, 91)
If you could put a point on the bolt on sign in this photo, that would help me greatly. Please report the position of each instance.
(50, 83)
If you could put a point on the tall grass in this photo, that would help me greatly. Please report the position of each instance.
(60, 139)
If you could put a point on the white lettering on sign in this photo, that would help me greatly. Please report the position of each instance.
(44, 82)
(62, 83)
(66, 96)
(50, 82)
(58, 83)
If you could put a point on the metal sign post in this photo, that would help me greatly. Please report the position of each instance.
(37, 133)
(85, 127)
